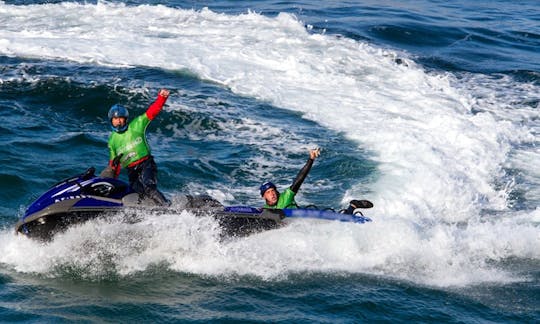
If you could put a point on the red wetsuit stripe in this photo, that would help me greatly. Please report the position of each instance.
(132, 164)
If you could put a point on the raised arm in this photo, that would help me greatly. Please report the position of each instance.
(313, 154)
(157, 105)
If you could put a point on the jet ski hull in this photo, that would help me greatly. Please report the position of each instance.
(232, 224)
(86, 197)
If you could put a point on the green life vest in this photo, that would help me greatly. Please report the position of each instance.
(131, 143)
(285, 200)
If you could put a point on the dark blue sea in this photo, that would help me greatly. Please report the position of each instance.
(427, 108)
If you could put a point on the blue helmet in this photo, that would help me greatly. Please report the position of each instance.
(265, 186)
(118, 111)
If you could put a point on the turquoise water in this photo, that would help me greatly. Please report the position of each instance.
(429, 109)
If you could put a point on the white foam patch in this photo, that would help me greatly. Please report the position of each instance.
(440, 149)
(117, 246)
(99, 250)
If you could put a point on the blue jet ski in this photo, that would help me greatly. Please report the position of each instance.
(87, 196)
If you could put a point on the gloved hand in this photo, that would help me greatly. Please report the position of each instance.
(116, 161)
(112, 170)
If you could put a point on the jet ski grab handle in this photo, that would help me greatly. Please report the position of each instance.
(88, 173)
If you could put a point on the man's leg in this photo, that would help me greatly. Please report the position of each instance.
(148, 179)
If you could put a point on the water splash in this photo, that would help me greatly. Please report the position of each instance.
(440, 150)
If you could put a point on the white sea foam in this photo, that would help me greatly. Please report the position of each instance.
(440, 149)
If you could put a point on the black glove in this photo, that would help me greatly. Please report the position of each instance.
(116, 160)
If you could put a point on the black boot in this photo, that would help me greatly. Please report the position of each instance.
(159, 198)
(355, 204)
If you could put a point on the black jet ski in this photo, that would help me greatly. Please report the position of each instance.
(87, 196)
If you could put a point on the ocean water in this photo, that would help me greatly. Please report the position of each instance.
(430, 109)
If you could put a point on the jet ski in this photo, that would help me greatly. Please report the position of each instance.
(87, 196)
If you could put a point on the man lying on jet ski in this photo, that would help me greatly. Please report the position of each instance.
(276, 200)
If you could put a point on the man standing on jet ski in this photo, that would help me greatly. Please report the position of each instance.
(276, 200)
(129, 149)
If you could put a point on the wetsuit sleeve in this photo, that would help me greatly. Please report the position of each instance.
(155, 107)
(301, 176)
